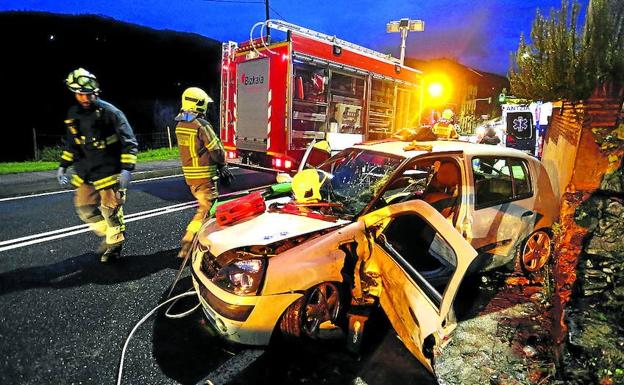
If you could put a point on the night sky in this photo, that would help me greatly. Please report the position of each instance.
(479, 33)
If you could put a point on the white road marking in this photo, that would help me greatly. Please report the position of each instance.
(231, 368)
(66, 191)
(35, 195)
(84, 226)
(79, 229)
(72, 190)
(69, 231)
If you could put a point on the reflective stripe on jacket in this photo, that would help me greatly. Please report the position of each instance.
(99, 144)
(201, 151)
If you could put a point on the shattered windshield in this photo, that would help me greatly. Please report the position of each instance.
(357, 176)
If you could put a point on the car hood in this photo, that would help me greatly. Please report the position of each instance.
(263, 229)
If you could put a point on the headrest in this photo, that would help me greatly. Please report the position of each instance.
(448, 174)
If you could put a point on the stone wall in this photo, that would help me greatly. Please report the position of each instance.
(583, 152)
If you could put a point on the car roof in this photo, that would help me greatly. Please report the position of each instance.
(396, 147)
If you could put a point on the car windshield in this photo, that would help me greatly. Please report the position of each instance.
(357, 176)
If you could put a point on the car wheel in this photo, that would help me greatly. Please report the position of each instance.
(536, 251)
(322, 303)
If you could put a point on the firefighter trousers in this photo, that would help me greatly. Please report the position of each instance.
(205, 194)
(102, 210)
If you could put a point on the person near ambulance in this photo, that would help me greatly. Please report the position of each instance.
(101, 147)
(490, 137)
(203, 159)
(444, 127)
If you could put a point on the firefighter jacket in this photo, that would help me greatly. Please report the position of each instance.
(201, 151)
(444, 130)
(99, 144)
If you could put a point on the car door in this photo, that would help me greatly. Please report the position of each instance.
(420, 260)
(503, 206)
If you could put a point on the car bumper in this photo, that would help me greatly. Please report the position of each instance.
(247, 320)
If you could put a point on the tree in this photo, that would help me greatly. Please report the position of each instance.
(561, 62)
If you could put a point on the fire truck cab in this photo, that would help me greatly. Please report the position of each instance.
(277, 97)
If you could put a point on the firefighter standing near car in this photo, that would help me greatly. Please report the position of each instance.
(444, 127)
(102, 148)
(203, 159)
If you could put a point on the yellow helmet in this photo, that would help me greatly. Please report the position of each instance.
(82, 81)
(306, 185)
(447, 114)
(195, 100)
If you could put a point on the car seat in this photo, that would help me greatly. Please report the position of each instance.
(443, 190)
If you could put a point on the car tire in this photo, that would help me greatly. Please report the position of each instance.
(304, 317)
(536, 251)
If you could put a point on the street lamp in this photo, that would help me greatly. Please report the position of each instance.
(404, 26)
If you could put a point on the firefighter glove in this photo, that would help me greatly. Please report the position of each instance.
(225, 176)
(121, 196)
(124, 179)
(62, 179)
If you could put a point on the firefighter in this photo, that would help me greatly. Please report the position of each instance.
(203, 159)
(444, 127)
(102, 148)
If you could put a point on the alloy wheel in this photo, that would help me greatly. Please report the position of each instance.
(323, 304)
(536, 251)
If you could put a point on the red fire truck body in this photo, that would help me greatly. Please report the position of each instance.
(276, 98)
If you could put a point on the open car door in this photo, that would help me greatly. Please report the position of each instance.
(421, 260)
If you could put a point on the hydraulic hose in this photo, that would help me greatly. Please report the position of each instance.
(172, 299)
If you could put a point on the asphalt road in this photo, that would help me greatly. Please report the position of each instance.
(64, 316)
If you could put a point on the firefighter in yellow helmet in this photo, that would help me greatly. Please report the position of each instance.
(306, 185)
(202, 156)
(444, 127)
(102, 148)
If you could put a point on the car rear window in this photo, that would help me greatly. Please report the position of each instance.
(499, 180)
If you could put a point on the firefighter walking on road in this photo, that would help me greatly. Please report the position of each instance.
(203, 159)
(102, 148)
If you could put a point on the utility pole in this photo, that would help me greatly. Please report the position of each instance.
(266, 16)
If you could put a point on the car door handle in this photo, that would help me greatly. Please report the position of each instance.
(527, 213)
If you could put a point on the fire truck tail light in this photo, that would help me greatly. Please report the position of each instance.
(231, 154)
(284, 57)
(281, 163)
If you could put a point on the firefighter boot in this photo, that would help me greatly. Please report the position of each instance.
(111, 253)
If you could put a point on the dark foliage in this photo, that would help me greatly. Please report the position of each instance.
(142, 71)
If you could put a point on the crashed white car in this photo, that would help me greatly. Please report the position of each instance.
(394, 227)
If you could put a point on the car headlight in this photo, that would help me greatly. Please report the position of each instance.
(241, 277)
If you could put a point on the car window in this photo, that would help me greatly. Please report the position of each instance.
(422, 252)
(356, 177)
(499, 180)
(522, 183)
(411, 184)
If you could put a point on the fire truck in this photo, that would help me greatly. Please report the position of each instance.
(278, 97)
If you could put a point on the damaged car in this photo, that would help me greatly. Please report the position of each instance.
(394, 224)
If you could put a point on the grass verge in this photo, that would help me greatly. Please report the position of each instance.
(145, 156)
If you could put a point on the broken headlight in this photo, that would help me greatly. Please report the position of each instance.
(241, 277)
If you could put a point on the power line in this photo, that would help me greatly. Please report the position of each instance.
(278, 14)
(236, 1)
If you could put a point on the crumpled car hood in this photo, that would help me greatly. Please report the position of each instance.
(263, 229)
